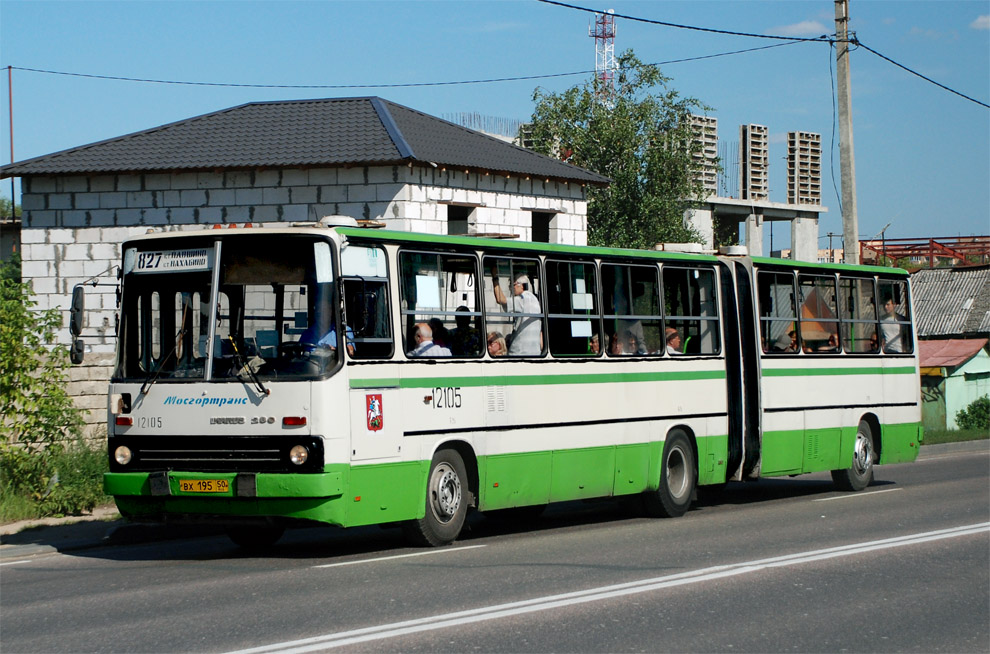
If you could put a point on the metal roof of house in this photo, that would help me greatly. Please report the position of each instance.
(948, 353)
(302, 133)
(952, 301)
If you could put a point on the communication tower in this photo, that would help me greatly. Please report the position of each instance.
(604, 34)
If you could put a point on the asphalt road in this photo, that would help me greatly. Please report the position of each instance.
(780, 565)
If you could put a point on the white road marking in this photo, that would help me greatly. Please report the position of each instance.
(855, 495)
(448, 550)
(15, 562)
(381, 632)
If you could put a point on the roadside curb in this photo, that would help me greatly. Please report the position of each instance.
(105, 527)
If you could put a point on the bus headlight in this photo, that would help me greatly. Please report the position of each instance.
(123, 455)
(298, 455)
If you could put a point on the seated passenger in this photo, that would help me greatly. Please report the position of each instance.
(496, 345)
(594, 345)
(464, 339)
(425, 347)
(673, 338)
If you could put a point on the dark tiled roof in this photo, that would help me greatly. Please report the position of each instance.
(301, 133)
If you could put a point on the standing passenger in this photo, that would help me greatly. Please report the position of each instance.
(527, 330)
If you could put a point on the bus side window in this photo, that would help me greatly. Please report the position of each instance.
(819, 324)
(441, 290)
(690, 311)
(858, 311)
(367, 316)
(572, 307)
(631, 304)
(778, 317)
(514, 298)
(895, 326)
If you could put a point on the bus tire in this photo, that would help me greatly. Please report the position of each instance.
(255, 537)
(678, 478)
(446, 502)
(860, 474)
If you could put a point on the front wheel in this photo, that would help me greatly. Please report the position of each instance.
(446, 502)
(860, 474)
(678, 476)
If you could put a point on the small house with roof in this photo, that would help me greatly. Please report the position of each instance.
(952, 316)
(264, 162)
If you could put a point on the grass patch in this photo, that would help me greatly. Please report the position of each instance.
(939, 436)
(74, 485)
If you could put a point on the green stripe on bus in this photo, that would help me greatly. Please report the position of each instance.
(538, 380)
(814, 372)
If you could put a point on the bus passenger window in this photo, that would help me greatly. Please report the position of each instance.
(895, 326)
(572, 307)
(778, 316)
(690, 311)
(631, 303)
(858, 311)
(819, 316)
(440, 291)
(513, 304)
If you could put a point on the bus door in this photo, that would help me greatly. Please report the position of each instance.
(742, 372)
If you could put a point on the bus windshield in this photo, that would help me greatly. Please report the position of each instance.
(272, 312)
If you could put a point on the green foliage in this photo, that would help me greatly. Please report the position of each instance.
(37, 417)
(641, 140)
(976, 416)
(8, 208)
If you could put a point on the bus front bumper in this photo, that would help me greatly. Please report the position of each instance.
(223, 484)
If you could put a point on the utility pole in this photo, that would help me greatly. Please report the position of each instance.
(847, 159)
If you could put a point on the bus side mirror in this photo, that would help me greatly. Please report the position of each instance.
(76, 312)
(77, 351)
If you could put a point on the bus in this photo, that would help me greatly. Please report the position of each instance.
(335, 374)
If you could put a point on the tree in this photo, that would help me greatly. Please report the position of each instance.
(9, 209)
(641, 139)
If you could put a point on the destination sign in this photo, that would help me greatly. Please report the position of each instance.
(169, 260)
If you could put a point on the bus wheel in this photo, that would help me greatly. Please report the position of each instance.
(446, 502)
(860, 475)
(255, 537)
(678, 476)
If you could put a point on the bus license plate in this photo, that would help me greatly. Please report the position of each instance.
(204, 485)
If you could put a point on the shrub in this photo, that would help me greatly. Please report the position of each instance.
(37, 417)
(976, 415)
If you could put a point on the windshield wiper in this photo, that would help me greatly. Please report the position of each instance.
(153, 377)
(248, 367)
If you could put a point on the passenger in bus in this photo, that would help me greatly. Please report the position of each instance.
(673, 338)
(441, 336)
(893, 333)
(614, 345)
(874, 343)
(311, 340)
(496, 345)
(594, 345)
(787, 342)
(425, 347)
(465, 338)
(831, 346)
(527, 331)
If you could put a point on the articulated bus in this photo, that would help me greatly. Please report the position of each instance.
(349, 376)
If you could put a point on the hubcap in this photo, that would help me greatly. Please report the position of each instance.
(445, 492)
(863, 454)
(677, 473)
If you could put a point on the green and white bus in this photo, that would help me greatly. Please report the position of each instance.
(353, 376)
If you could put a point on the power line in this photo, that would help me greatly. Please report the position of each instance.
(913, 72)
(522, 78)
(686, 27)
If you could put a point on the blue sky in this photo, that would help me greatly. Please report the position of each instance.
(922, 153)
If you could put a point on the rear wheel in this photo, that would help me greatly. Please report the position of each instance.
(860, 474)
(255, 537)
(678, 476)
(446, 502)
